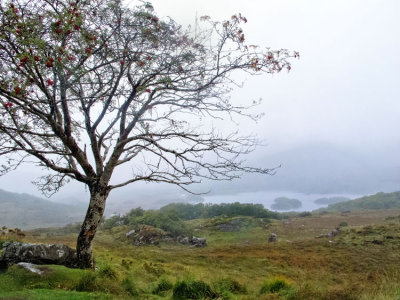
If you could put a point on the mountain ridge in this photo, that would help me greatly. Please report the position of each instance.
(26, 211)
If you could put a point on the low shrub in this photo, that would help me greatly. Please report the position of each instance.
(275, 285)
(192, 289)
(229, 285)
(129, 287)
(155, 269)
(106, 282)
(87, 283)
(114, 221)
(108, 272)
(126, 263)
(21, 277)
(163, 286)
(304, 214)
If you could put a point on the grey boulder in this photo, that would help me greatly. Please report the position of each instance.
(41, 254)
(199, 242)
(273, 238)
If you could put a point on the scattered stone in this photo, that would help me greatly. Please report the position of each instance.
(199, 242)
(273, 238)
(128, 234)
(321, 236)
(334, 232)
(184, 240)
(231, 226)
(30, 267)
(149, 235)
(194, 241)
(41, 254)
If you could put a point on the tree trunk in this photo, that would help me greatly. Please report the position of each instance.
(92, 220)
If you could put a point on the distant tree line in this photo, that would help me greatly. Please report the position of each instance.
(172, 216)
(187, 211)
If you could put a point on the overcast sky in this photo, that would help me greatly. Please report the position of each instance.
(345, 89)
(342, 95)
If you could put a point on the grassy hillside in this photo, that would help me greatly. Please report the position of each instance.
(359, 263)
(26, 211)
(377, 201)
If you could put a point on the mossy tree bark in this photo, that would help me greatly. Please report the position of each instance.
(94, 214)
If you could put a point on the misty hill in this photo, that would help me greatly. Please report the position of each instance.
(26, 211)
(320, 168)
(377, 201)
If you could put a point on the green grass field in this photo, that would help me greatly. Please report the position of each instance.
(361, 262)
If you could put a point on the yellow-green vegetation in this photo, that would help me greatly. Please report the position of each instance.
(278, 285)
(361, 262)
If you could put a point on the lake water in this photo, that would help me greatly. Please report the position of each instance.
(267, 198)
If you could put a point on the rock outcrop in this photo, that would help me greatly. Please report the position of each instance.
(273, 238)
(184, 240)
(231, 226)
(198, 242)
(130, 233)
(40, 254)
(333, 233)
(148, 235)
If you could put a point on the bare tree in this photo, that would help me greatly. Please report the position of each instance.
(89, 85)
